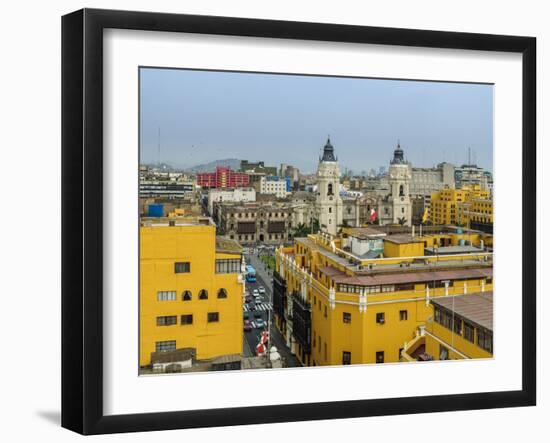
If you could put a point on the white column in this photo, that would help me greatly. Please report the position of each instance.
(332, 298)
(427, 295)
(446, 287)
(482, 285)
(465, 287)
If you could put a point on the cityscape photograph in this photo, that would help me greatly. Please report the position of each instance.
(290, 220)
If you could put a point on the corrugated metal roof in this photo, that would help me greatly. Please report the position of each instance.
(476, 307)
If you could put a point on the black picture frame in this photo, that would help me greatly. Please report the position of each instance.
(82, 215)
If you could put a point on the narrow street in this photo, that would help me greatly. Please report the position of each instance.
(264, 278)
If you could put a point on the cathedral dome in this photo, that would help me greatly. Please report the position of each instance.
(398, 156)
(328, 152)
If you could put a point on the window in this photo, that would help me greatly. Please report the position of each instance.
(485, 339)
(330, 189)
(182, 267)
(330, 210)
(231, 266)
(222, 293)
(326, 311)
(380, 357)
(166, 295)
(380, 318)
(167, 320)
(186, 296)
(163, 346)
(187, 319)
(457, 325)
(401, 194)
(346, 358)
(213, 317)
(403, 315)
(326, 353)
(347, 317)
(203, 294)
(443, 353)
(469, 332)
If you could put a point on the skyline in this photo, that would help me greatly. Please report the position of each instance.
(204, 116)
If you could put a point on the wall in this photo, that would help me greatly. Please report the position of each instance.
(30, 85)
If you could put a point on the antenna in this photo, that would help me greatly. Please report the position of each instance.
(158, 145)
(469, 156)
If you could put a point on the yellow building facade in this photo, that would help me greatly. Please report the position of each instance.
(458, 328)
(444, 204)
(191, 289)
(334, 307)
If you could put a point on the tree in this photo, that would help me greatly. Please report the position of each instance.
(402, 221)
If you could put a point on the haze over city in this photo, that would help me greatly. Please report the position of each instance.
(204, 116)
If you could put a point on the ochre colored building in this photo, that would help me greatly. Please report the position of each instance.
(335, 306)
(458, 328)
(191, 289)
(444, 205)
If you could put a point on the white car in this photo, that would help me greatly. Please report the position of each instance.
(255, 293)
(261, 290)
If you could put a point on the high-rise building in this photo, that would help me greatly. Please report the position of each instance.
(222, 178)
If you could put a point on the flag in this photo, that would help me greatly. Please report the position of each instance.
(373, 215)
(425, 216)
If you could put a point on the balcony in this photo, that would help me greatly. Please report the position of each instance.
(415, 350)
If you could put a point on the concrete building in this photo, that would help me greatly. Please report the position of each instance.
(274, 185)
(257, 168)
(254, 223)
(191, 291)
(444, 206)
(222, 178)
(360, 301)
(424, 181)
(239, 195)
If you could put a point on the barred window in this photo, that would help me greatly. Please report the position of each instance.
(213, 317)
(163, 346)
(182, 267)
(347, 317)
(380, 318)
(346, 358)
(388, 288)
(167, 320)
(187, 319)
(485, 339)
(166, 295)
(380, 357)
(228, 266)
(203, 294)
(222, 293)
(186, 296)
(403, 315)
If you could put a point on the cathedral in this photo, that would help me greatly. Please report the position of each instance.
(392, 207)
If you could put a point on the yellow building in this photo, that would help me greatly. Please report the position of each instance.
(191, 289)
(476, 214)
(460, 327)
(336, 305)
(444, 205)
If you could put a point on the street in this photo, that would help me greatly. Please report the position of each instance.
(261, 307)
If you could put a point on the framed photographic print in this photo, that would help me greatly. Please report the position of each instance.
(343, 215)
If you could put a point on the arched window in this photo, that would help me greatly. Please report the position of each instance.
(203, 294)
(186, 296)
(401, 194)
(330, 189)
(222, 293)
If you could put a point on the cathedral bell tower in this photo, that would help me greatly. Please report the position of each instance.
(329, 202)
(399, 176)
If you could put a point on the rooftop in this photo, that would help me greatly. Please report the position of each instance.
(402, 239)
(476, 307)
(364, 232)
(228, 246)
(176, 221)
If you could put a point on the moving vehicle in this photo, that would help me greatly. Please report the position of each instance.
(260, 323)
(248, 299)
(261, 290)
(247, 326)
(250, 274)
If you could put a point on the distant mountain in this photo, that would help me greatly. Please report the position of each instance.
(232, 163)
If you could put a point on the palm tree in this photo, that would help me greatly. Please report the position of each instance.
(402, 221)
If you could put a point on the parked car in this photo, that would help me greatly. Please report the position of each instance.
(247, 326)
(261, 290)
(260, 323)
(248, 299)
(255, 293)
(257, 315)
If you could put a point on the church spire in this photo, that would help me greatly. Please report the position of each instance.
(328, 152)
(398, 157)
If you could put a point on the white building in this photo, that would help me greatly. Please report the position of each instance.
(329, 203)
(230, 195)
(273, 185)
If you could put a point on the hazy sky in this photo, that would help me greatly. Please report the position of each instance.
(204, 116)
